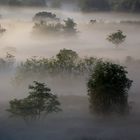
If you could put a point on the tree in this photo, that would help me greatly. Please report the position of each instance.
(45, 16)
(45, 28)
(46, 23)
(117, 38)
(40, 101)
(67, 56)
(108, 88)
(69, 26)
(66, 59)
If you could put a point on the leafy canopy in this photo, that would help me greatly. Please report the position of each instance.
(65, 63)
(44, 16)
(69, 26)
(117, 38)
(40, 101)
(47, 22)
(108, 88)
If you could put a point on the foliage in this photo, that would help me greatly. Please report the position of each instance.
(45, 16)
(66, 62)
(47, 28)
(69, 26)
(108, 88)
(117, 38)
(40, 101)
(53, 26)
(66, 56)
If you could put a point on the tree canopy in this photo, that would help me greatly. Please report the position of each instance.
(108, 88)
(44, 16)
(40, 102)
(46, 23)
(66, 62)
(117, 38)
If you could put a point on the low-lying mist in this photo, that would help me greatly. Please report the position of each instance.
(75, 122)
(91, 39)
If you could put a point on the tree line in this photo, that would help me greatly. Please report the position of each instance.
(108, 87)
(84, 5)
(117, 5)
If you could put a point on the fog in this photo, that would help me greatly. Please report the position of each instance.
(75, 121)
(91, 39)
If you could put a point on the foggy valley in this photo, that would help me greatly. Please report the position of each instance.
(27, 55)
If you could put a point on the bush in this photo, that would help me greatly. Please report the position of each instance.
(108, 89)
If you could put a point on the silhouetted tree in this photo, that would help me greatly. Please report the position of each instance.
(69, 26)
(108, 88)
(67, 56)
(45, 16)
(116, 38)
(39, 102)
(66, 60)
